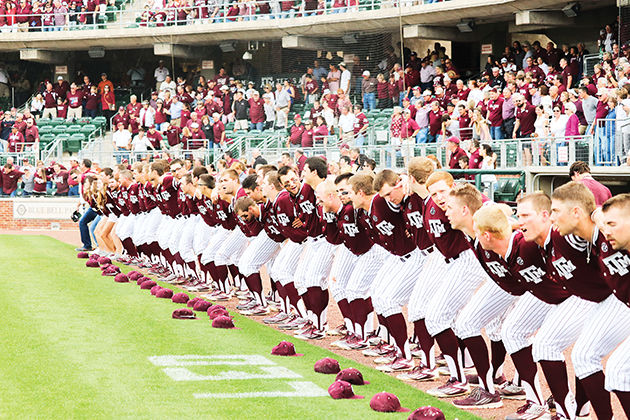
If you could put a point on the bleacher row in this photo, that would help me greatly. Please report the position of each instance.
(72, 134)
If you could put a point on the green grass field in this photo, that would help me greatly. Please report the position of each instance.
(76, 344)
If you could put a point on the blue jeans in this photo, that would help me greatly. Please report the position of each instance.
(339, 10)
(73, 191)
(423, 135)
(359, 140)
(121, 153)
(93, 228)
(87, 217)
(369, 101)
(256, 126)
(496, 133)
(401, 96)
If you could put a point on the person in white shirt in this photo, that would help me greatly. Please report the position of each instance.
(167, 85)
(122, 142)
(558, 123)
(37, 105)
(160, 74)
(146, 116)
(346, 126)
(141, 144)
(346, 76)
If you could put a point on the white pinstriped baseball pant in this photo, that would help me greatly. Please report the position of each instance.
(202, 237)
(561, 328)
(463, 278)
(341, 271)
(260, 250)
(136, 233)
(315, 264)
(232, 248)
(286, 263)
(618, 368)
(364, 273)
(122, 227)
(607, 326)
(522, 322)
(164, 231)
(220, 233)
(149, 229)
(186, 241)
(490, 302)
(428, 283)
(177, 227)
(395, 282)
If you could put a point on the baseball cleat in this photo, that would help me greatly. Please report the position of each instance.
(379, 350)
(419, 374)
(256, 310)
(529, 411)
(311, 333)
(343, 343)
(246, 304)
(398, 365)
(387, 358)
(444, 371)
(440, 360)
(509, 391)
(308, 325)
(358, 344)
(220, 297)
(339, 330)
(479, 398)
(452, 388)
(279, 318)
(294, 324)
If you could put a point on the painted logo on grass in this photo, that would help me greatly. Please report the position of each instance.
(177, 367)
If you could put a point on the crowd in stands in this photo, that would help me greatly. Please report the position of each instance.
(40, 179)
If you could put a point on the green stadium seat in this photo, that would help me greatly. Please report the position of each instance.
(508, 189)
(46, 129)
(72, 129)
(59, 129)
(44, 139)
(88, 129)
(102, 121)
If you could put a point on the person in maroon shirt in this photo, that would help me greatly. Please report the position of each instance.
(60, 179)
(295, 132)
(218, 129)
(62, 108)
(50, 102)
(31, 134)
(74, 99)
(92, 101)
(581, 172)
(10, 177)
(121, 117)
(452, 144)
(155, 137)
(525, 114)
(15, 140)
(306, 140)
(495, 114)
(61, 87)
(173, 135)
(435, 121)
(193, 137)
(256, 112)
(22, 12)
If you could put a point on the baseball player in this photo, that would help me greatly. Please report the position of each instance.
(207, 227)
(609, 323)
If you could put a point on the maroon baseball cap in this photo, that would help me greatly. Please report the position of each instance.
(426, 413)
(104, 260)
(147, 285)
(134, 275)
(192, 302)
(217, 313)
(201, 305)
(121, 278)
(351, 375)
(285, 348)
(386, 402)
(91, 263)
(183, 313)
(155, 289)
(110, 271)
(327, 365)
(223, 322)
(83, 255)
(180, 298)
(141, 280)
(164, 293)
(343, 390)
(453, 140)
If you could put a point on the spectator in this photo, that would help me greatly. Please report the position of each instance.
(141, 144)
(295, 132)
(435, 122)
(282, 104)
(346, 125)
(60, 13)
(62, 108)
(122, 142)
(256, 112)
(307, 135)
(92, 100)
(270, 111)
(105, 82)
(240, 108)
(368, 91)
(321, 131)
(60, 177)
(572, 128)
(346, 77)
(146, 116)
(108, 103)
(558, 123)
(168, 85)
(75, 101)
(455, 152)
(581, 172)
(333, 78)
(31, 136)
(218, 130)
(37, 105)
(50, 102)
(10, 178)
(495, 114)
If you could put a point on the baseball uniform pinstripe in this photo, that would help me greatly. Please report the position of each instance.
(203, 235)
(522, 322)
(259, 251)
(219, 235)
(618, 369)
(364, 273)
(395, 282)
(164, 231)
(428, 283)
(341, 271)
(462, 279)
(142, 220)
(286, 262)
(493, 328)
(561, 328)
(177, 226)
(186, 241)
(607, 326)
(315, 264)
(488, 303)
(150, 234)
(121, 228)
(232, 248)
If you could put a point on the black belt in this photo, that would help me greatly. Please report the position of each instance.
(427, 251)
(404, 258)
(452, 259)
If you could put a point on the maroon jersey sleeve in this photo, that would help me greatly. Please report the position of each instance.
(285, 215)
(224, 214)
(448, 241)
(389, 227)
(133, 202)
(615, 266)
(270, 224)
(307, 210)
(498, 268)
(206, 210)
(331, 230)
(413, 210)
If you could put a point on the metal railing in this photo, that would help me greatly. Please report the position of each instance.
(223, 12)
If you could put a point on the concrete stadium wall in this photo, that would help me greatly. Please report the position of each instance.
(37, 214)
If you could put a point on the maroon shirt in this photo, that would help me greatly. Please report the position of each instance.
(600, 191)
(572, 264)
(92, 100)
(435, 122)
(344, 227)
(615, 267)
(124, 118)
(269, 221)
(389, 227)
(133, 201)
(285, 214)
(155, 138)
(166, 194)
(413, 208)
(307, 138)
(295, 134)
(495, 111)
(218, 129)
(448, 241)
(527, 118)
(50, 99)
(475, 160)
(256, 110)
(10, 180)
(453, 161)
(31, 134)
(206, 210)
(39, 183)
(74, 99)
(173, 135)
(61, 181)
(498, 267)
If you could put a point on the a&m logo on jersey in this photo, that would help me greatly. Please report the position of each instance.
(565, 267)
(221, 215)
(415, 219)
(497, 269)
(307, 207)
(329, 217)
(617, 264)
(350, 229)
(283, 219)
(437, 228)
(532, 274)
(385, 228)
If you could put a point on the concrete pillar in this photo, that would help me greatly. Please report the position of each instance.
(42, 56)
(430, 32)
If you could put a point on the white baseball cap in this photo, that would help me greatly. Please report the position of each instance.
(366, 73)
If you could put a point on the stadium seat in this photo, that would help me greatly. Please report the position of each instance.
(102, 121)
(88, 129)
(64, 137)
(72, 129)
(45, 129)
(45, 139)
(59, 129)
(508, 189)
(74, 143)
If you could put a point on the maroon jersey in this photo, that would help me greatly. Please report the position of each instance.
(61, 182)
(286, 213)
(616, 270)
(448, 241)
(572, 264)
(251, 228)
(345, 227)
(224, 214)
(413, 208)
(111, 203)
(498, 268)
(306, 209)
(269, 221)
(150, 200)
(133, 201)
(206, 210)
(167, 193)
(123, 198)
(389, 227)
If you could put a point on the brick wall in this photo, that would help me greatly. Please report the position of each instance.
(7, 222)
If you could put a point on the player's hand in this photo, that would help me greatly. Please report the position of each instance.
(297, 223)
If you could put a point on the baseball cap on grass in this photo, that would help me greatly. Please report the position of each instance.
(121, 278)
(141, 280)
(192, 301)
(223, 322)
(104, 260)
(201, 305)
(217, 313)
(183, 313)
(134, 275)
(110, 271)
(386, 402)
(155, 289)
(180, 298)
(285, 348)
(351, 375)
(426, 413)
(164, 293)
(83, 254)
(216, 308)
(147, 285)
(327, 365)
(91, 263)
(342, 390)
